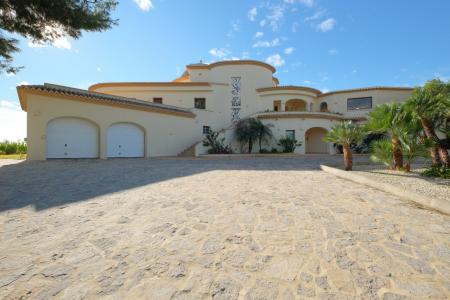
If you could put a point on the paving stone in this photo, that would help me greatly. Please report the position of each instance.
(213, 245)
(255, 228)
(305, 291)
(263, 289)
(225, 288)
(394, 296)
(179, 270)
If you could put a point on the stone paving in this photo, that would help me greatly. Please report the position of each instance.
(261, 228)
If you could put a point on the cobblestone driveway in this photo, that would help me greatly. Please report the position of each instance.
(258, 228)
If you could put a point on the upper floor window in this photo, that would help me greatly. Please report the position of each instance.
(157, 100)
(290, 134)
(359, 103)
(323, 107)
(206, 129)
(200, 103)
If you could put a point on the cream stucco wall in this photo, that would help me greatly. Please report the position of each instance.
(164, 134)
(338, 102)
(170, 135)
(300, 125)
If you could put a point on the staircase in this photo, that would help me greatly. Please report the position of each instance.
(189, 152)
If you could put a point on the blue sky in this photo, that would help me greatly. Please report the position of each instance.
(325, 44)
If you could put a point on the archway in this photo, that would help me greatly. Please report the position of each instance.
(71, 137)
(314, 141)
(295, 105)
(126, 140)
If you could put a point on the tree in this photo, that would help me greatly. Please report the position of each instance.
(45, 21)
(413, 147)
(247, 132)
(388, 118)
(263, 131)
(344, 134)
(431, 105)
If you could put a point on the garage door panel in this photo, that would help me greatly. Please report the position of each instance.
(125, 140)
(72, 138)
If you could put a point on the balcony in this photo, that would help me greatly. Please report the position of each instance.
(299, 115)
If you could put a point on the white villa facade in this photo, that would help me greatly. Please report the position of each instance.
(151, 119)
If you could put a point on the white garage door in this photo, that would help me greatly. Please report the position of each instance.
(125, 140)
(72, 138)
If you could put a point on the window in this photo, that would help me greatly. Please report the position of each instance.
(359, 103)
(200, 103)
(277, 105)
(157, 100)
(323, 107)
(206, 129)
(290, 134)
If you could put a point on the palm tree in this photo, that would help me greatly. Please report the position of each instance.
(390, 119)
(247, 132)
(413, 147)
(431, 105)
(263, 130)
(344, 134)
(381, 151)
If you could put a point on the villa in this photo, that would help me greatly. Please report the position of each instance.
(150, 119)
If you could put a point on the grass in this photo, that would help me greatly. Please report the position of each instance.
(13, 156)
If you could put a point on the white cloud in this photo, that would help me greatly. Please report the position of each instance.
(267, 44)
(289, 50)
(307, 82)
(220, 53)
(144, 5)
(252, 14)
(275, 60)
(23, 83)
(99, 69)
(316, 16)
(327, 25)
(61, 41)
(14, 121)
(276, 17)
(245, 55)
(263, 22)
(308, 3)
(235, 25)
(259, 34)
(9, 74)
(332, 51)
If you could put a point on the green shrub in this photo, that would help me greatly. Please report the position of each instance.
(216, 144)
(441, 172)
(288, 144)
(7, 147)
(264, 150)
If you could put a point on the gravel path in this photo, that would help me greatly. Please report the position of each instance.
(437, 188)
(261, 228)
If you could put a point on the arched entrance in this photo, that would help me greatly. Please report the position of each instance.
(295, 105)
(314, 141)
(125, 140)
(72, 138)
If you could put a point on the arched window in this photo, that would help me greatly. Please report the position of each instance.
(323, 107)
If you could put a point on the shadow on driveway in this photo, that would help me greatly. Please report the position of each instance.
(44, 184)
